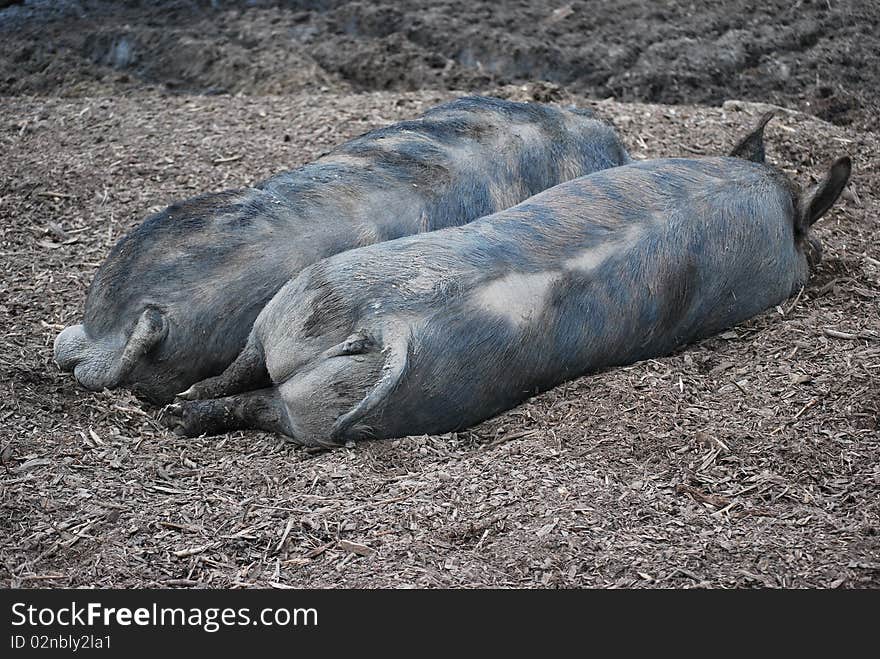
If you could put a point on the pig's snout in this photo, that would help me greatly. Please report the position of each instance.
(70, 347)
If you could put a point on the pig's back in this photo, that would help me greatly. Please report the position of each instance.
(615, 278)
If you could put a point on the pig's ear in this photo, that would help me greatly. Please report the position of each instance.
(751, 147)
(821, 197)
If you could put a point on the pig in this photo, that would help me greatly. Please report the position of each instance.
(176, 298)
(433, 333)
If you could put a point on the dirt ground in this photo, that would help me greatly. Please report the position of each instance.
(819, 56)
(751, 459)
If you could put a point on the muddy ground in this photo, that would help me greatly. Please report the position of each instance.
(817, 55)
(751, 459)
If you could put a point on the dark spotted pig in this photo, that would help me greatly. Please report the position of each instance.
(436, 332)
(175, 299)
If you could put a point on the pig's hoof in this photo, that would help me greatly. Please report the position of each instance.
(172, 417)
(184, 419)
(206, 389)
(199, 391)
(189, 394)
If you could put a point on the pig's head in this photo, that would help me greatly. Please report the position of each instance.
(807, 205)
(174, 301)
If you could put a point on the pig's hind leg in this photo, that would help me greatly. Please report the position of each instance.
(248, 372)
(259, 410)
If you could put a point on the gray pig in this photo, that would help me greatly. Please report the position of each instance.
(176, 298)
(433, 333)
